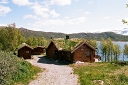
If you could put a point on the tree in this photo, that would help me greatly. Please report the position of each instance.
(103, 48)
(109, 49)
(1, 46)
(93, 43)
(3, 38)
(10, 38)
(35, 41)
(125, 51)
(42, 41)
(29, 41)
(32, 41)
(123, 20)
(116, 52)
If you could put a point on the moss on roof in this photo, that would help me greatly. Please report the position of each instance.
(22, 45)
(68, 44)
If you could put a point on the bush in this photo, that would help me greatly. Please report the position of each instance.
(8, 66)
(14, 69)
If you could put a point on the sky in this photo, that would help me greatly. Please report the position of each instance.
(65, 16)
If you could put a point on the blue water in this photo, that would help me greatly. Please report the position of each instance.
(121, 44)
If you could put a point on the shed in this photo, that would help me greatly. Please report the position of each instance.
(38, 50)
(65, 55)
(25, 51)
(52, 51)
(83, 52)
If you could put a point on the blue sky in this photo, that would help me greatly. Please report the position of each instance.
(66, 16)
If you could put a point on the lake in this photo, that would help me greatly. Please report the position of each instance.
(121, 47)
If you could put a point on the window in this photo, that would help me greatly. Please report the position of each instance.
(27, 51)
(82, 49)
(87, 53)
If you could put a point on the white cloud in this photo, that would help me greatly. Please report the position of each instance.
(126, 18)
(49, 22)
(66, 17)
(87, 12)
(3, 25)
(29, 16)
(4, 10)
(47, 3)
(61, 2)
(77, 21)
(90, 2)
(29, 24)
(107, 17)
(80, 10)
(3, 1)
(119, 20)
(21, 2)
(54, 14)
(40, 10)
(76, 0)
(59, 22)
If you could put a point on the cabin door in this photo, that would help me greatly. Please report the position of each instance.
(56, 57)
(27, 54)
(88, 56)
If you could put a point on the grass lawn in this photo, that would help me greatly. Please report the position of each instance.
(110, 74)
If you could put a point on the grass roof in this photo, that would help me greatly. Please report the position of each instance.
(68, 44)
(22, 45)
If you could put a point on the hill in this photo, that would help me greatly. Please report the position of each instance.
(97, 36)
(47, 35)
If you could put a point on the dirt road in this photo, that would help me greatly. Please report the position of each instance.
(55, 73)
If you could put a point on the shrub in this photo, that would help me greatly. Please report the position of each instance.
(8, 66)
(15, 70)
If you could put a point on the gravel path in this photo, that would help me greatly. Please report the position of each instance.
(55, 73)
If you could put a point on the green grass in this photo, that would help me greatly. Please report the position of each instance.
(14, 70)
(111, 74)
(25, 73)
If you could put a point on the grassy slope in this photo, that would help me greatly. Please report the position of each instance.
(15, 71)
(111, 74)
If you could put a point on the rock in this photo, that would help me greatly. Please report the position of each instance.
(79, 62)
(100, 82)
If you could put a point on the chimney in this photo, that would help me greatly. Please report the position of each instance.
(51, 38)
(67, 37)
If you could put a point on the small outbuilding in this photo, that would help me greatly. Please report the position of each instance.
(52, 51)
(65, 55)
(25, 51)
(38, 50)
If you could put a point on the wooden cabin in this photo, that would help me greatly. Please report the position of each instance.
(52, 51)
(38, 50)
(83, 52)
(58, 48)
(25, 51)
